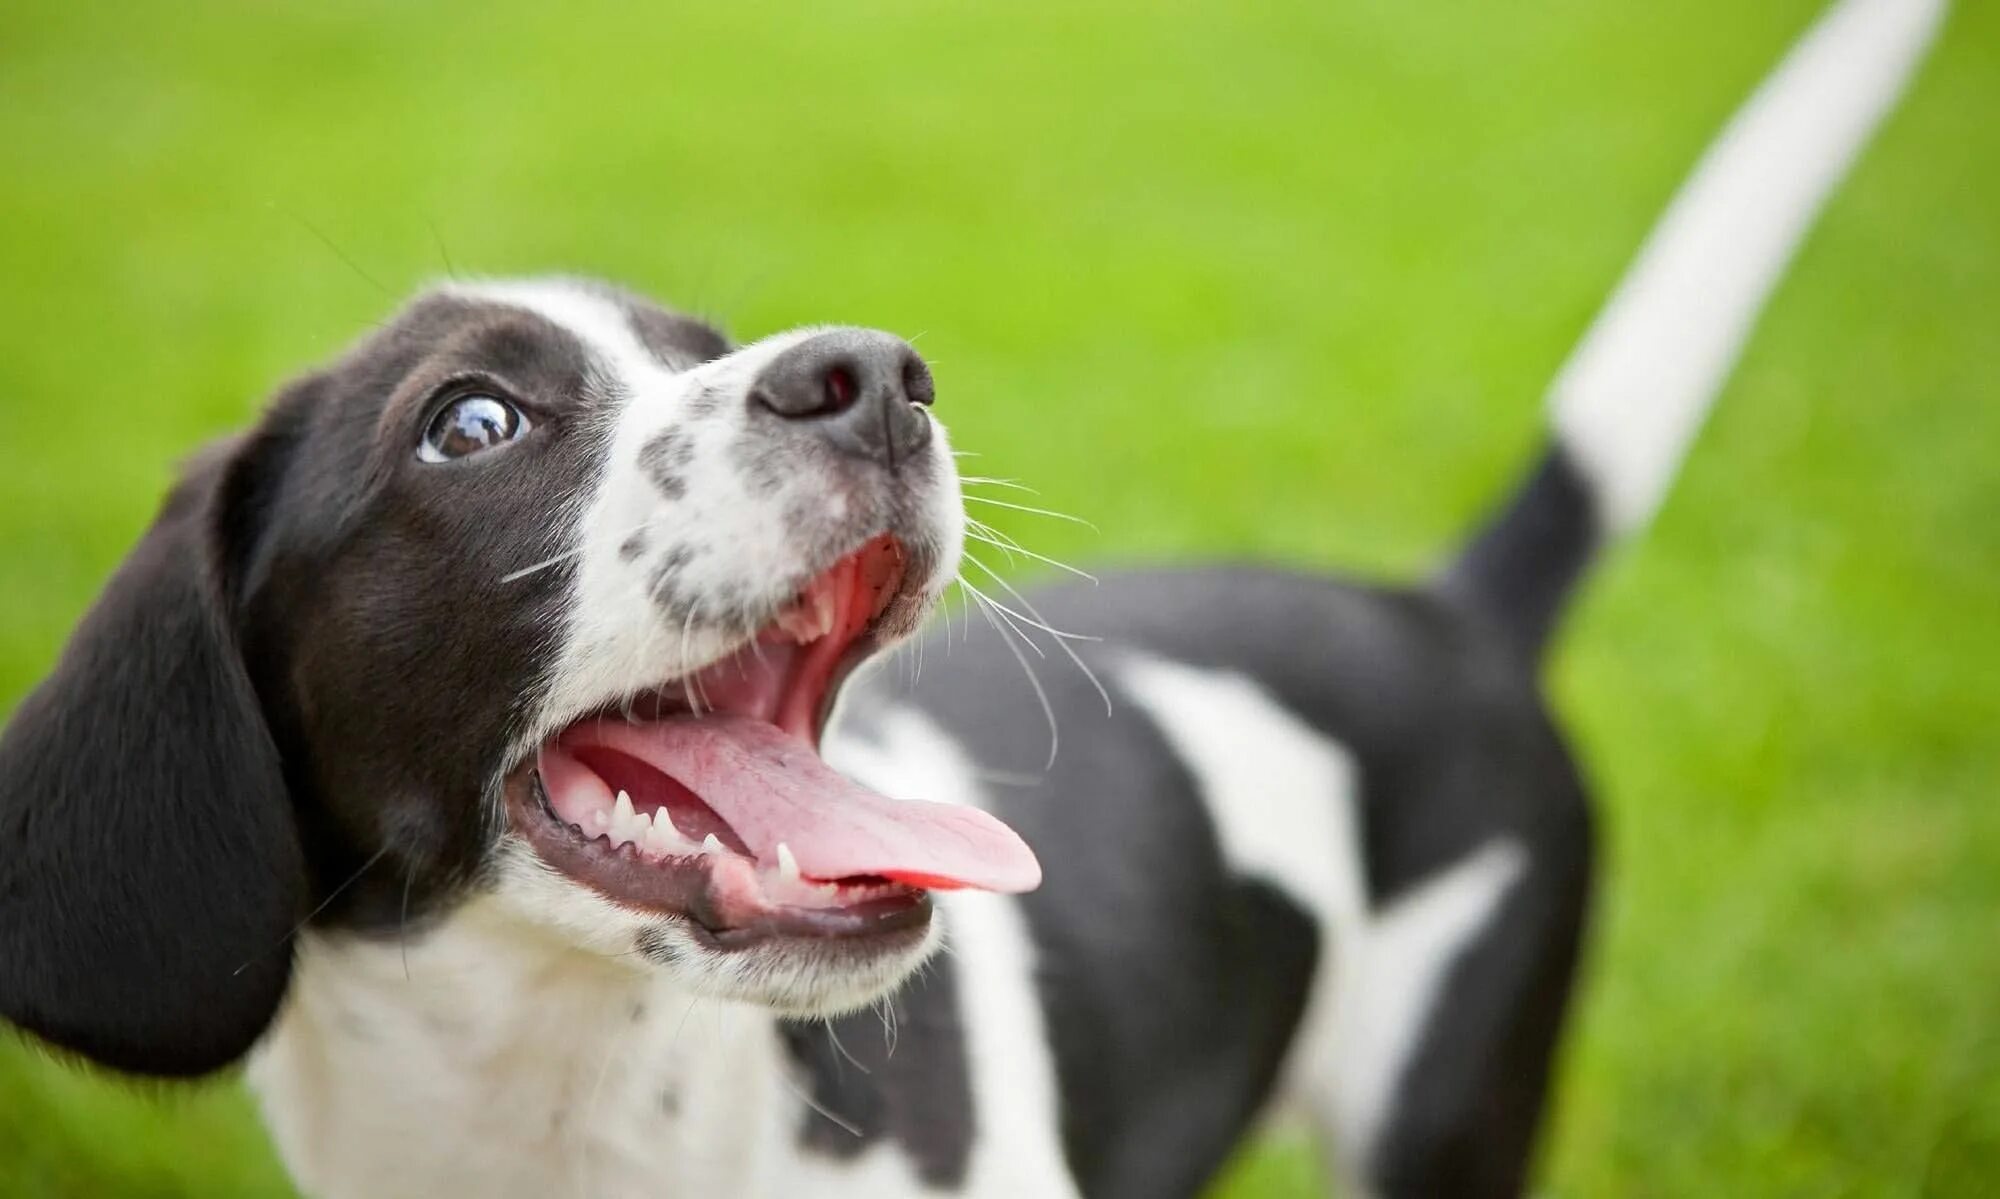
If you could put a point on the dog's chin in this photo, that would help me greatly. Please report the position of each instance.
(792, 975)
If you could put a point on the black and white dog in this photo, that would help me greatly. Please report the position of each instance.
(475, 740)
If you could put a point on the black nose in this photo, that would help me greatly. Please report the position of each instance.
(862, 389)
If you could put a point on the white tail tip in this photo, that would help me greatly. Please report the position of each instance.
(1634, 392)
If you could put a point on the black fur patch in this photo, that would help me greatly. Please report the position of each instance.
(654, 946)
(150, 867)
(907, 1081)
(677, 341)
(1520, 570)
(665, 459)
(707, 401)
(767, 463)
(665, 584)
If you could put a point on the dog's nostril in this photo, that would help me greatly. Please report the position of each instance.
(918, 386)
(840, 388)
(813, 385)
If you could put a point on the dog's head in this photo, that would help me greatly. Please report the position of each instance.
(541, 594)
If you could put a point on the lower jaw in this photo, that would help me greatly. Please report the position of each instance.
(883, 924)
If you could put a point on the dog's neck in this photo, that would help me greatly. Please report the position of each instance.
(485, 1058)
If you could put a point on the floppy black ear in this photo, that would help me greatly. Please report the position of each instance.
(150, 869)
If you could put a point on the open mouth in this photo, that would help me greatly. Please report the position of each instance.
(708, 799)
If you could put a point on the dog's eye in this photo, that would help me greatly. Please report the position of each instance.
(468, 425)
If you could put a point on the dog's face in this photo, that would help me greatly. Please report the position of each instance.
(540, 593)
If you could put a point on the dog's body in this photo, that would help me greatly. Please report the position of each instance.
(389, 673)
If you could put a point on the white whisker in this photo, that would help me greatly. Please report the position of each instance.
(983, 539)
(984, 532)
(1030, 621)
(1062, 639)
(990, 481)
(982, 499)
(1048, 709)
(1013, 620)
(976, 525)
(693, 689)
(847, 1126)
(842, 1049)
(545, 563)
(885, 1011)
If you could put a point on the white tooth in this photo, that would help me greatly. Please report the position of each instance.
(665, 824)
(659, 841)
(712, 844)
(600, 820)
(793, 621)
(788, 866)
(624, 821)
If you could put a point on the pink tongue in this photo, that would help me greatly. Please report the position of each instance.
(772, 787)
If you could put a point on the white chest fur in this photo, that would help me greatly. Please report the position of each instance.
(501, 1066)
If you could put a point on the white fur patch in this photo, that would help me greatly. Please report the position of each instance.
(492, 1060)
(1398, 970)
(1280, 794)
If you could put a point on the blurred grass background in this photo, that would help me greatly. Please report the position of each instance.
(1283, 279)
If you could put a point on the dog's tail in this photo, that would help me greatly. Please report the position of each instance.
(1634, 392)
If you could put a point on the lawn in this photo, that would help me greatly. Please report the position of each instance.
(1283, 280)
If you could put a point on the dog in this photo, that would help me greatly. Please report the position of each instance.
(488, 745)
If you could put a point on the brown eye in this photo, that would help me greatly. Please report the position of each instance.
(468, 425)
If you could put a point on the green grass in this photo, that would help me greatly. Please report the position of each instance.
(1284, 280)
